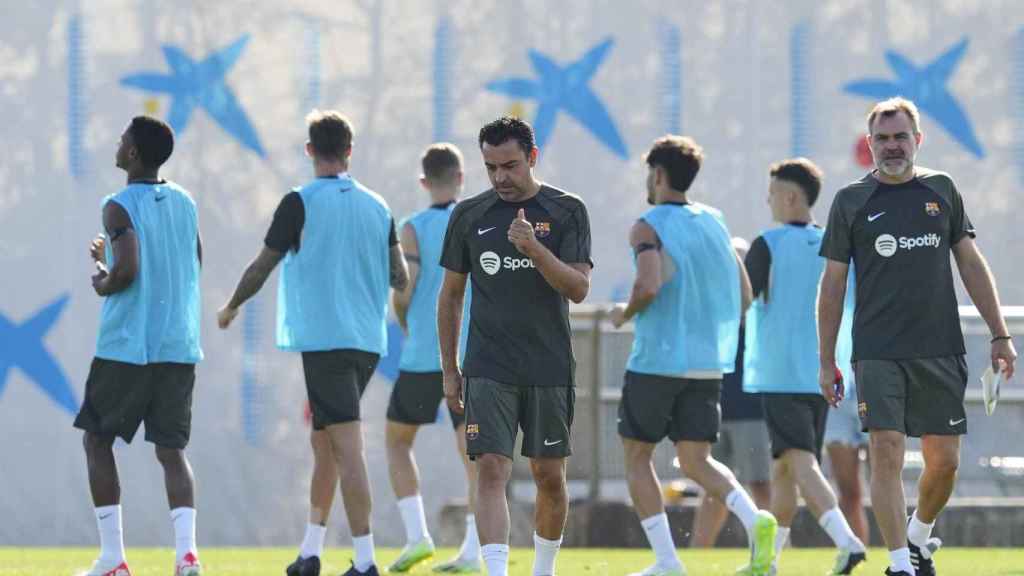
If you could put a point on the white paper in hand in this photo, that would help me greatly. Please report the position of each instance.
(990, 383)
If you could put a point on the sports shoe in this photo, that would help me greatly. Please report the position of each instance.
(188, 566)
(762, 543)
(412, 555)
(120, 570)
(921, 557)
(846, 561)
(371, 571)
(459, 565)
(656, 570)
(304, 567)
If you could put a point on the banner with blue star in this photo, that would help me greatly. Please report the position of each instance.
(565, 88)
(22, 346)
(926, 86)
(202, 84)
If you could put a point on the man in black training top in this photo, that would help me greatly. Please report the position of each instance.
(526, 247)
(898, 225)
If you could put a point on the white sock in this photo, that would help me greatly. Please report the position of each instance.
(839, 531)
(413, 518)
(740, 504)
(781, 537)
(363, 548)
(899, 560)
(495, 558)
(918, 532)
(659, 536)
(471, 541)
(544, 553)
(313, 543)
(108, 519)
(184, 520)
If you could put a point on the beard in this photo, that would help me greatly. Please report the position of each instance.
(895, 166)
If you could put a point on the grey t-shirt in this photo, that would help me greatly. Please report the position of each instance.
(519, 330)
(899, 239)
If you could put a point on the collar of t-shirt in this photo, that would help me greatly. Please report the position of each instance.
(798, 223)
(340, 176)
(885, 188)
(442, 205)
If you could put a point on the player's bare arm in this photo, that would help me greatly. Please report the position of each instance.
(647, 248)
(125, 247)
(449, 321)
(401, 299)
(981, 287)
(831, 295)
(569, 280)
(399, 272)
(252, 280)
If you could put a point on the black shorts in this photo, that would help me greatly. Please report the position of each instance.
(654, 407)
(119, 396)
(495, 412)
(415, 398)
(335, 381)
(796, 422)
(918, 397)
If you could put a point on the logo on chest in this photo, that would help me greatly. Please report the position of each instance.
(932, 208)
(542, 229)
(492, 263)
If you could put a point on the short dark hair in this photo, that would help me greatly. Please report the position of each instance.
(893, 106)
(154, 140)
(801, 172)
(330, 133)
(679, 156)
(508, 128)
(441, 162)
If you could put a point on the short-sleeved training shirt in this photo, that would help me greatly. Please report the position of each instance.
(899, 238)
(519, 325)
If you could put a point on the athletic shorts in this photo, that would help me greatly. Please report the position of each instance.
(335, 381)
(843, 425)
(120, 396)
(653, 407)
(918, 397)
(743, 447)
(415, 397)
(495, 412)
(796, 422)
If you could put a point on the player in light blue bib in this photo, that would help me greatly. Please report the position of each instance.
(148, 345)
(341, 253)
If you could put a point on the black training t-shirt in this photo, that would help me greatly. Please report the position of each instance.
(899, 238)
(519, 325)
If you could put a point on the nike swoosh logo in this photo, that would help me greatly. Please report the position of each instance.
(159, 198)
(482, 231)
(955, 422)
(547, 443)
(107, 516)
(874, 217)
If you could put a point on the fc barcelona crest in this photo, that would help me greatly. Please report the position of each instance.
(931, 208)
(542, 229)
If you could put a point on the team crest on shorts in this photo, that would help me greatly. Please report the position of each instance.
(932, 208)
(862, 409)
(472, 431)
(542, 229)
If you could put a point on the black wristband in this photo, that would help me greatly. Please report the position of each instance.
(998, 338)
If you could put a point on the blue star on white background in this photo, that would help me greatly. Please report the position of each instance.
(202, 84)
(21, 346)
(565, 88)
(926, 86)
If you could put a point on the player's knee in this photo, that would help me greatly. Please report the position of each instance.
(170, 456)
(549, 479)
(945, 464)
(94, 443)
(492, 472)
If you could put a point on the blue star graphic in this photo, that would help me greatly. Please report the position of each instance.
(565, 88)
(22, 345)
(926, 86)
(192, 84)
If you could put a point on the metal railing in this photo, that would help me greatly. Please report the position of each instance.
(601, 353)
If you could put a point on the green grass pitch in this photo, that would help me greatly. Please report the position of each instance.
(571, 561)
